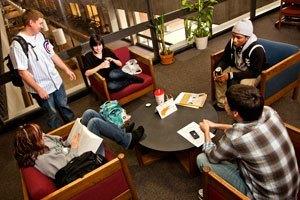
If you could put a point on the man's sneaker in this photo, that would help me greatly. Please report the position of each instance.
(200, 194)
(137, 134)
(129, 127)
(218, 108)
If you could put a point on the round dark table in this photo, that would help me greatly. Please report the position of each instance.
(161, 134)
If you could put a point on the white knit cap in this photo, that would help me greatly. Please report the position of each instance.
(243, 27)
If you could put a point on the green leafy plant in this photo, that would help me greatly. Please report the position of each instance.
(160, 29)
(202, 19)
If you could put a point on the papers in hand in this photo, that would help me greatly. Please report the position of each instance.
(193, 126)
(192, 100)
(88, 141)
(166, 108)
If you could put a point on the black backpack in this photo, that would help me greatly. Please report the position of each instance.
(78, 167)
(13, 75)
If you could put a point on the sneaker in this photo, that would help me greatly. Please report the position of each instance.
(200, 194)
(137, 134)
(218, 108)
(129, 127)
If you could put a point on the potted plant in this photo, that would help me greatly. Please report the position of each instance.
(166, 55)
(202, 19)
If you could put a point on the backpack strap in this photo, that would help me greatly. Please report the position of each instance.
(255, 46)
(22, 42)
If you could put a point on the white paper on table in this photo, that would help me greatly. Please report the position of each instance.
(166, 108)
(193, 126)
(88, 141)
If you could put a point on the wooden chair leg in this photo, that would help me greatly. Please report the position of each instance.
(295, 93)
(279, 21)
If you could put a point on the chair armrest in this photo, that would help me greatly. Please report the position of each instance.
(99, 78)
(277, 69)
(140, 58)
(62, 131)
(212, 180)
(294, 134)
(93, 178)
(99, 85)
(146, 64)
(215, 59)
(281, 66)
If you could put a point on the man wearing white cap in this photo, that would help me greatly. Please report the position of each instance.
(242, 62)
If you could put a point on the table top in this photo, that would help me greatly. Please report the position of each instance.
(161, 134)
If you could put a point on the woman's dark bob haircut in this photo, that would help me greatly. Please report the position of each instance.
(96, 40)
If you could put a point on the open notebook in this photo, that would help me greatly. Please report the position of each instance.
(192, 100)
(88, 141)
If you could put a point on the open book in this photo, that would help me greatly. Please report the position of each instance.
(88, 141)
(193, 126)
(192, 100)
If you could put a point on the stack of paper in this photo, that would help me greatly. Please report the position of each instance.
(192, 100)
(166, 108)
(193, 126)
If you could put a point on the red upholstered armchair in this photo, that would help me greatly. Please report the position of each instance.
(110, 181)
(289, 12)
(133, 91)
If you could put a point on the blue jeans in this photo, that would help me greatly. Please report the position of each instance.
(118, 80)
(97, 125)
(56, 107)
(227, 170)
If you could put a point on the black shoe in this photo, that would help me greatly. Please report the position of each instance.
(137, 134)
(129, 127)
(137, 79)
(218, 108)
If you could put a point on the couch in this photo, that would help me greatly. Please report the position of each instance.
(282, 75)
(214, 187)
(131, 92)
(110, 181)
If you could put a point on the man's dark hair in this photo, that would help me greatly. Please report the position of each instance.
(246, 100)
(96, 40)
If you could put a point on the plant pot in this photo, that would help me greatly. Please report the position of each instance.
(201, 42)
(167, 59)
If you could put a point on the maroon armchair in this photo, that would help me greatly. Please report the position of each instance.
(288, 9)
(110, 181)
(133, 91)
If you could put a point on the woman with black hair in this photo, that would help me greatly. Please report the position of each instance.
(103, 61)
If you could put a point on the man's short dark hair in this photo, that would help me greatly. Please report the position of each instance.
(246, 100)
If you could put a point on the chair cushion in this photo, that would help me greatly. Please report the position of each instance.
(37, 184)
(277, 51)
(133, 87)
(123, 54)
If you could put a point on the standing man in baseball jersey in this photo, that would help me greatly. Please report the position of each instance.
(37, 69)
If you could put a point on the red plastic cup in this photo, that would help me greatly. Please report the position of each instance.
(159, 96)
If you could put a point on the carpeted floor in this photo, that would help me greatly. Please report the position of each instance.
(165, 179)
